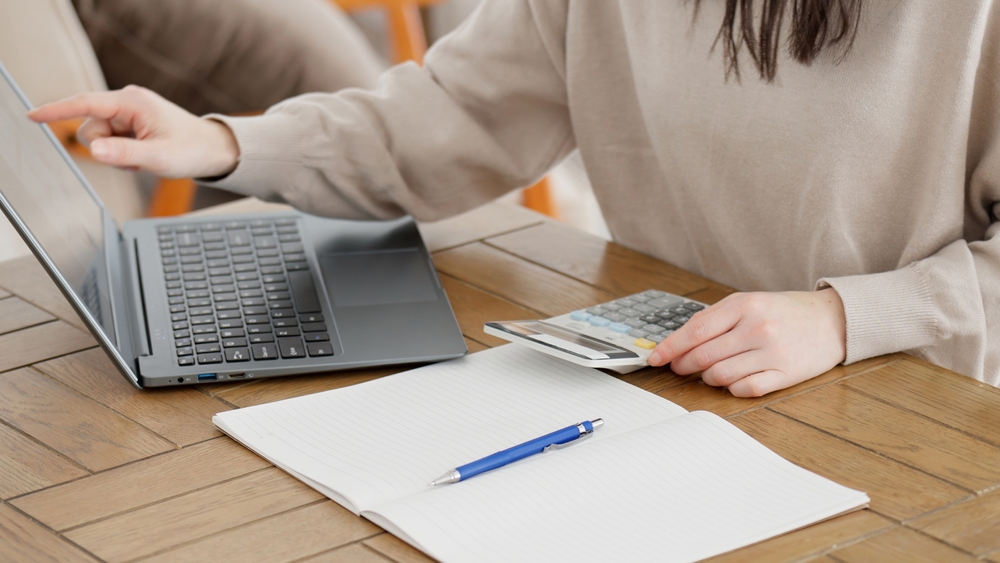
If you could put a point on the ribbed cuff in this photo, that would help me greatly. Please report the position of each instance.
(886, 313)
(270, 151)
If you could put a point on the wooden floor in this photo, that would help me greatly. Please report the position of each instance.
(91, 469)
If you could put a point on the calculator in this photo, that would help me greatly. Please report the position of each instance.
(618, 335)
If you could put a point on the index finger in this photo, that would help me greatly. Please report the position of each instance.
(706, 325)
(102, 105)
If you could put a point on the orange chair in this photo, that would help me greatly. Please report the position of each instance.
(409, 42)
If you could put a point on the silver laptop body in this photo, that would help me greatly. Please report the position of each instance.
(183, 301)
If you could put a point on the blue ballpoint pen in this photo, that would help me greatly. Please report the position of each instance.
(521, 451)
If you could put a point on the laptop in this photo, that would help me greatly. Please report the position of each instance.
(182, 301)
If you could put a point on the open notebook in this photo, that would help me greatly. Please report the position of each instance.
(656, 483)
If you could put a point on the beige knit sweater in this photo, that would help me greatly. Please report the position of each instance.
(877, 176)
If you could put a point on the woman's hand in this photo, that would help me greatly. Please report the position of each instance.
(135, 128)
(755, 343)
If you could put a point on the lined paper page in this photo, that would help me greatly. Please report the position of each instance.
(385, 439)
(679, 490)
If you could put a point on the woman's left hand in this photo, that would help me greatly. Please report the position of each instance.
(756, 343)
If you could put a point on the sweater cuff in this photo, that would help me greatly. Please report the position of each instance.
(270, 151)
(887, 312)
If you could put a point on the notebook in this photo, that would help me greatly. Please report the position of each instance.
(656, 483)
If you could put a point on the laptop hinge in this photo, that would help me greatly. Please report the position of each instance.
(140, 326)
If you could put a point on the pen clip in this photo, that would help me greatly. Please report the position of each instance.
(567, 444)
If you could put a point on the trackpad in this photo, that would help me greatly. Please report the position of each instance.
(356, 279)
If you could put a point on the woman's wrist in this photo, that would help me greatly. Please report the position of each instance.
(837, 319)
(225, 149)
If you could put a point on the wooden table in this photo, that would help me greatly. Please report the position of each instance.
(91, 469)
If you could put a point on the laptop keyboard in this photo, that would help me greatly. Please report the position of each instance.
(241, 291)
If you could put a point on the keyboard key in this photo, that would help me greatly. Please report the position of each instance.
(280, 332)
(232, 333)
(258, 329)
(261, 338)
(223, 288)
(190, 268)
(273, 279)
(264, 352)
(319, 349)
(186, 229)
(243, 268)
(224, 297)
(174, 293)
(297, 266)
(282, 313)
(211, 227)
(242, 259)
(291, 348)
(208, 319)
(177, 317)
(271, 270)
(231, 323)
(214, 245)
(240, 251)
(199, 302)
(292, 248)
(285, 322)
(278, 295)
(313, 318)
(272, 287)
(267, 252)
(265, 241)
(185, 361)
(188, 239)
(204, 329)
(289, 238)
(239, 239)
(185, 351)
(210, 359)
(227, 306)
(258, 310)
(304, 291)
(177, 308)
(225, 315)
(253, 302)
(206, 338)
(257, 320)
(208, 348)
(317, 337)
(295, 258)
(237, 355)
(269, 261)
(279, 304)
(314, 327)
(235, 225)
(182, 334)
(178, 326)
(201, 311)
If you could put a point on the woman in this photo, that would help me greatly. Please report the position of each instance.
(852, 185)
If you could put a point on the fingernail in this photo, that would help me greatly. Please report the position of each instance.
(655, 359)
(99, 149)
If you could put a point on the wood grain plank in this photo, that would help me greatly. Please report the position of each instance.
(181, 415)
(813, 540)
(475, 346)
(901, 435)
(474, 307)
(696, 395)
(973, 525)
(896, 491)
(593, 260)
(193, 516)
(355, 553)
(16, 314)
(278, 388)
(527, 284)
(960, 402)
(710, 296)
(656, 380)
(141, 483)
(23, 540)
(396, 549)
(25, 278)
(482, 222)
(27, 466)
(74, 426)
(40, 343)
(901, 544)
(289, 536)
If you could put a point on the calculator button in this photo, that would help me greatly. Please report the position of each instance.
(596, 311)
(657, 337)
(643, 308)
(669, 325)
(630, 312)
(620, 327)
(579, 315)
(638, 333)
(614, 317)
(652, 293)
(653, 329)
(599, 321)
(645, 344)
(639, 298)
(694, 306)
(635, 323)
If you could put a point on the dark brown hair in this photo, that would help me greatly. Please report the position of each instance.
(816, 25)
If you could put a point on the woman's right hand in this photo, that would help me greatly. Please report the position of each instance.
(137, 129)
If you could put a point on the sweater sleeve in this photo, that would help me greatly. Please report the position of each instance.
(946, 307)
(486, 114)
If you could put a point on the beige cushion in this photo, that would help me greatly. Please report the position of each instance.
(44, 48)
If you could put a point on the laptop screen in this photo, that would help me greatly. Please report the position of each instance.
(53, 203)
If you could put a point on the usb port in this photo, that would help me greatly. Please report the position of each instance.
(207, 377)
(237, 375)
